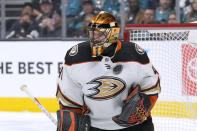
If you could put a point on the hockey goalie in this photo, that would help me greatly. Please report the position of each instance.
(106, 83)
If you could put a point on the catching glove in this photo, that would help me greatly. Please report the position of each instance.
(135, 109)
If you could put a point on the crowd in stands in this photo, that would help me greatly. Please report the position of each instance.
(39, 19)
(43, 19)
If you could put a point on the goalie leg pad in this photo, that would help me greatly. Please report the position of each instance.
(71, 121)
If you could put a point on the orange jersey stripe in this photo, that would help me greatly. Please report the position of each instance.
(153, 100)
(82, 62)
(61, 120)
(119, 45)
(72, 126)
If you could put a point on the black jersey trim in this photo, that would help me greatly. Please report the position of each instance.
(127, 53)
(80, 63)
(83, 55)
(114, 62)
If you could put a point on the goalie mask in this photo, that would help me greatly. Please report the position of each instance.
(103, 30)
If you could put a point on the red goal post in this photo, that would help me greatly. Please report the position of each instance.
(172, 48)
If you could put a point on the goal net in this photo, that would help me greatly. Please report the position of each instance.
(172, 49)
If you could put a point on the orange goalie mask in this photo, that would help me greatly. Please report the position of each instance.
(103, 30)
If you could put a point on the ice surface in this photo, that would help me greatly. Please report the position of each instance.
(25, 121)
(28, 121)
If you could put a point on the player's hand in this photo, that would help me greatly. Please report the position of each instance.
(135, 109)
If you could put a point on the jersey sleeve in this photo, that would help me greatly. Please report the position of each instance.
(149, 79)
(150, 82)
(69, 93)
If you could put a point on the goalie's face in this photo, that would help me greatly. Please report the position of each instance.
(98, 37)
(99, 40)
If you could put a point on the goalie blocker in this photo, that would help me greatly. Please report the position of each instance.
(68, 120)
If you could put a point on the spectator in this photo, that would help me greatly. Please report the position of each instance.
(73, 8)
(112, 6)
(98, 3)
(24, 26)
(148, 17)
(143, 3)
(83, 31)
(51, 27)
(36, 4)
(77, 23)
(87, 7)
(27, 9)
(21, 28)
(45, 21)
(56, 4)
(36, 14)
(192, 15)
(151, 4)
(135, 13)
(185, 5)
(46, 8)
(163, 10)
(172, 18)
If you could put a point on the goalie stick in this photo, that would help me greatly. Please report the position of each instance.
(35, 100)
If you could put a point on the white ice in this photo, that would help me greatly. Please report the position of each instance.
(25, 121)
(28, 121)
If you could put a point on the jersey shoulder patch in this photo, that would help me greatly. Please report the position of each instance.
(74, 50)
(139, 50)
(140, 53)
(79, 53)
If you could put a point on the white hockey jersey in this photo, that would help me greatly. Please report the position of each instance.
(103, 83)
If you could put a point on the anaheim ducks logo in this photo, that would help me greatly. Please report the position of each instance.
(139, 50)
(106, 87)
(74, 50)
